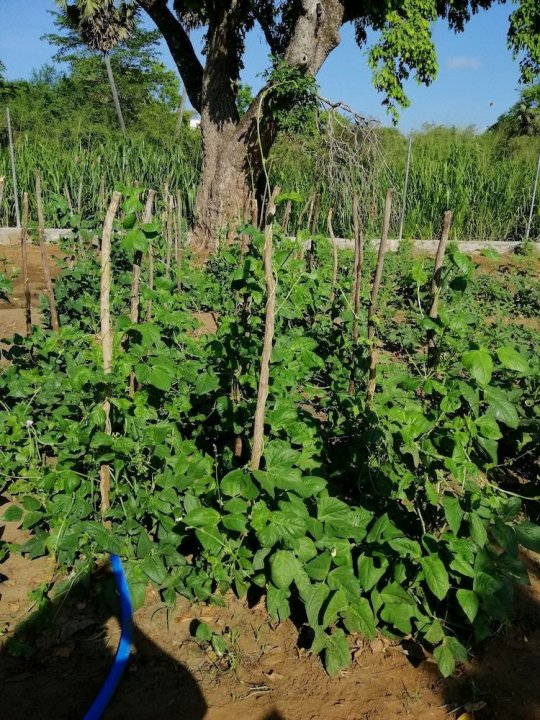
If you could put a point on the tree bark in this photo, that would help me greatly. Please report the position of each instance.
(233, 147)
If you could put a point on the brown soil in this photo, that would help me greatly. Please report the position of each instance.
(55, 669)
(266, 676)
(12, 313)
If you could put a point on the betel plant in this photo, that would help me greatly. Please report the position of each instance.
(359, 517)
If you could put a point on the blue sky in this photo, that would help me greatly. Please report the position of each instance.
(478, 78)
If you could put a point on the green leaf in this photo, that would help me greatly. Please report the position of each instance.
(502, 408)
(368, 574)
(399, 615)
(457, 649)
(359, 618)
(30, 503)
(436, 576)
(277, 602)
(528, 535)
(314, 598)
(469, 603)
(511, 359)
(337, 654)
(452, 512)
(284, 565)
(332, 510)
(478, 529)
(135, 241)
(338, 603)
(201, 517)
(479, 364)
(318, 568)
(218, 645)
(13, 514)
(206, 383)
(445, 660)
(155, 569)
(232, 483)
(203, 633)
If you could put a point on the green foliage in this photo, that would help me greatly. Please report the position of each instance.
(523, 118)
(388, 516)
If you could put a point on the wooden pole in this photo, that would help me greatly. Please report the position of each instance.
(13, 169)
(43, 248)
(24, 263)
(68, 199)
(254, 211)
(106, 336)
(287, 217)
(262, 394)
(373, 355)
(436, 284)
(168, 232)
(150, 281)
(136, 282)
(314, 222)
(405, 186)
(178, 248)
(356, 285)
(334, 254)
(79, 196)
(2, 186)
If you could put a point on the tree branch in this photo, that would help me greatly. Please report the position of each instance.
(179, 44)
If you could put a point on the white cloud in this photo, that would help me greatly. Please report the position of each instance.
(462, 62)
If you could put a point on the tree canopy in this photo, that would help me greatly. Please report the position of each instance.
(301, 32)
(523, 118)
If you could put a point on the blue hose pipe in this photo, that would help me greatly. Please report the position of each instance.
(122, 653)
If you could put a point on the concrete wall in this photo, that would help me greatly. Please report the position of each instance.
(12, 236)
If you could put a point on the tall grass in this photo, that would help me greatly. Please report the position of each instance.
(93, 166)
(486, 181)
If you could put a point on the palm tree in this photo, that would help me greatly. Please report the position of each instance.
(101, 26)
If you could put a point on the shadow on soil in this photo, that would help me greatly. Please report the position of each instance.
(503, 680)
(55, 662)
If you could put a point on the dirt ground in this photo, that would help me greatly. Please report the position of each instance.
(12, 313)
(52, 663)
(56, 666)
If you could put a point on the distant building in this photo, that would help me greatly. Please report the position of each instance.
(194, 123)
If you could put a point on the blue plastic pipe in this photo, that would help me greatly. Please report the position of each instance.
(124, 647)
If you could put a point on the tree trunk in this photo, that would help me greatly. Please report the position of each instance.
(114, 93)
(222, 186)
(233, 147)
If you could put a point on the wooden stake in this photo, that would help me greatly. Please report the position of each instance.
(254, 211)
(106, 335)
(436, 284)
(24, 257)
(44, 263)
(79, 196)
(373, 354)
(314, 221)
(68, 199)
(262, 394)
(335, 254)
(287, 216)
(356, 285)
(136, 281)
(101, 195)
(178, 254)
(168, 233)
